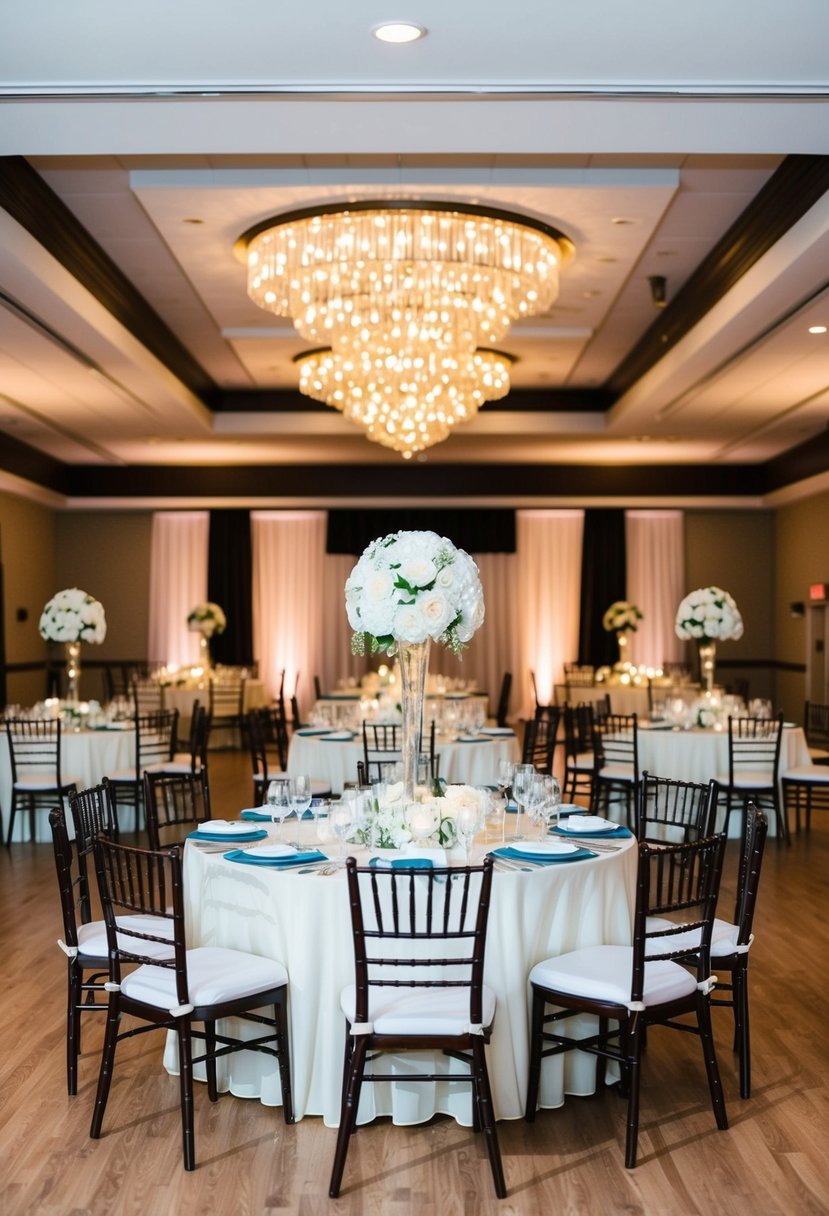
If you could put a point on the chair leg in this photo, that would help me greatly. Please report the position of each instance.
(633, 1038)
(710, 1056)
(284, 1061)
(185, 1076)
(12, 813)
(210, 1060)
(107, 1066)
(348, 1115)
(73, 1026)
(536, 1044)
(740, 994)
(481, 1090)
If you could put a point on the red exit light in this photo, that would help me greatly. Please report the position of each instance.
(817, 591)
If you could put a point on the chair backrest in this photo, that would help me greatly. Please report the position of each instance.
(147, 695)
(678, 811)
(754, 747)
(141, 883)
(74, 895)
(579, 675)
(381, 737)
(616, 743)
(93, 813)
(227, 696)
(256, 728)
(502, 711)
(155, 738)
(540, 738)
(317, 688)
(748, 876)
(199, 737)
(677, 885)
(175, 804)
(296, 720)
(419, 928)
(816, 725)
(34, 746)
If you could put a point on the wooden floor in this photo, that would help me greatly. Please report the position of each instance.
(773, 1159)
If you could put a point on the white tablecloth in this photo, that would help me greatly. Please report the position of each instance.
(303, 921)
(336, 761)
(699, 755)
(86, 755)
(183, 699)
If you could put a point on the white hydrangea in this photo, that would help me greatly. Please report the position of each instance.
(620, 616)
(709, 612)
(410, 587)
(207, 618)
(73, 616)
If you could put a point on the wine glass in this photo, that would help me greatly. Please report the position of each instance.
(535, 798)
(522, 780)
(503, 779)
(552, 802)
(341, 819)
(468, 822)
(277, 801)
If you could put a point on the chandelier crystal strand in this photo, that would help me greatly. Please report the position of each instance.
(404, 295)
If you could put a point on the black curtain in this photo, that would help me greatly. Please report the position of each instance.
(603, 579)
(349, 531)
(229, 584)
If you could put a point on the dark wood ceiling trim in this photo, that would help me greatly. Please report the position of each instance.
(414, 480)
(28, 199)
(524, 400)
(807, 460)
(795, 187)
(30, 464)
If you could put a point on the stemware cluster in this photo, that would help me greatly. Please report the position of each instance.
(536, 795)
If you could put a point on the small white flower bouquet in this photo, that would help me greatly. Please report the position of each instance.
(708, 613)
(412, 586)
(620, 616)
(73, 616)
(207, 619)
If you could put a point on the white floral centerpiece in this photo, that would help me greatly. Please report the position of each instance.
(385, 825)
(620, 616)
(413, 587)
(711, 613)
(207, 618)
(73, 616)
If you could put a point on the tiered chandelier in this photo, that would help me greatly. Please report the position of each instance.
(405, 300)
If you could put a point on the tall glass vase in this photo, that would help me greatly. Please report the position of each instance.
(414, 663)
(204, 653)
(73, 672)
(622, 639)
(707, 663)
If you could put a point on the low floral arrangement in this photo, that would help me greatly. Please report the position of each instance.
(709, 613)
(73, 616)
(385, 827)
(621, 615)
(207, 619)
(413, 586)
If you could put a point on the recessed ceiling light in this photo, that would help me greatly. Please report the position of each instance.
(399, 31)
(817, 329)
(621, 219)
(192, 220)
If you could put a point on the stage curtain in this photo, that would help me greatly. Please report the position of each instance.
(178, 581)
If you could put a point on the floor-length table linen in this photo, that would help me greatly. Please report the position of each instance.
(86, 755)
(303, 921)
(335, 761)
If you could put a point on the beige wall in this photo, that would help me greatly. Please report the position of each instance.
(802, 546)
(27, 536)
(735, 550)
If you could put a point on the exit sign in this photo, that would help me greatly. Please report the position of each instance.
(817, 591)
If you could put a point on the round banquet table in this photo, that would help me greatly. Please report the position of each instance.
(86, 756)
(335, 761)
(303, 921)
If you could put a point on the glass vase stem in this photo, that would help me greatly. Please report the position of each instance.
(707, 664)
(414, 663)
(73, 672)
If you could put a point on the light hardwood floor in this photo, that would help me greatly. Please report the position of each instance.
(773, 1159)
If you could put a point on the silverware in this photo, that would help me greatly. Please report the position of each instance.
(589, 843)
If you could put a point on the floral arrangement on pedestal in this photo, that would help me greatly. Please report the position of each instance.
(207, 618)
(73, 616)
(620, 616)
(409, 589)
(707, 616)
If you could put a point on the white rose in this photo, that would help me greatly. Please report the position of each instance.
(409, 624)
(436, 611)
(378, 586)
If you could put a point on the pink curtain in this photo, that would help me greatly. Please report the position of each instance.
(178, 581)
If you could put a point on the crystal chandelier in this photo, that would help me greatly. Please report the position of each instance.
(405, 298)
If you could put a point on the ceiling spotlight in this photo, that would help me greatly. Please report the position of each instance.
(399, 31)
(659, 285)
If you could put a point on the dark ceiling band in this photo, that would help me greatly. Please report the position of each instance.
(475, 531)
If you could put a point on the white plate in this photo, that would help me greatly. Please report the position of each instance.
(271, 850)
(586, 823)
(223, 827)
(497, 730)
(338, 736)
(554, 847)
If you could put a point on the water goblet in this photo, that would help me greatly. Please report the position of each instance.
(535, 797)
(552, 803)
(468, 821)
(278, 801)
(341, 819)
(522, 780)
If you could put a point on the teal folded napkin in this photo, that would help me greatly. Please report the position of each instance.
(227, 837)
(403, 863)
(279, 863)
(314, 730)
(264, 816)
(543, 859)
(620, 833)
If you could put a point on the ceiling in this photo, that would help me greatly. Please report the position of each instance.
(139, 142)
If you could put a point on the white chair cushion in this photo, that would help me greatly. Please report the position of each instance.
(43, 781)
(92, 938)
(214, 975)
(813, 774)
(603, 973)
(583, 760)
(419, 1011)
(723, 937)
(818, 753)
(746, 780)
(616, 772)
